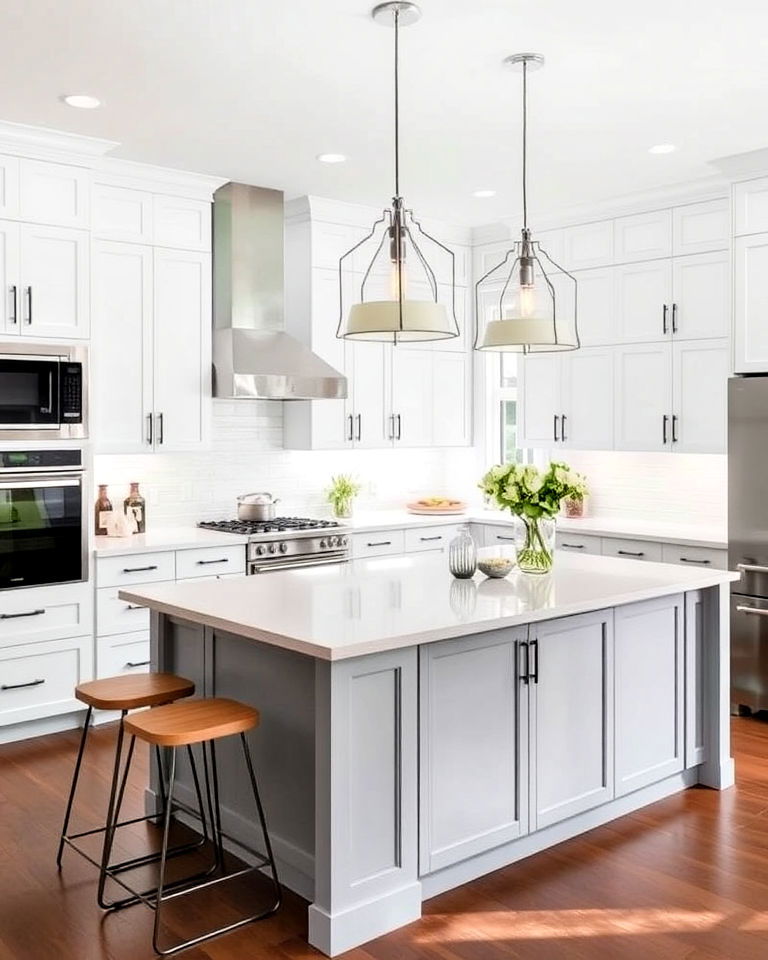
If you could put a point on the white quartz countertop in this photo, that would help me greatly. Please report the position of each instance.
(170, 538)
(369, 606)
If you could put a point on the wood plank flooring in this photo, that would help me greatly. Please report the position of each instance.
(684, 879)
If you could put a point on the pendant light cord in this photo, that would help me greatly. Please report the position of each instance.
(397, 102)
(525, 145)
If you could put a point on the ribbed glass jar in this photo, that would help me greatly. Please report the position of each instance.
(462, 555)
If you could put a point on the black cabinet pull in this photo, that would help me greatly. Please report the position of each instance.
(134, 606)
(573, 546)
(689, 560)
(664, 312)
(21, 686)
(350, 428)
(563, 418)
(630, 553)
(555, 420)
(674, 428)
(205, 563)
(380, 543)
(160, 428)
(399, 427)
(150, 430)
(29, 305)
(139, 663)
(534, 644)
(664, 422)
(359, 432)
(13, 317)
(525, 672)
(139, 569)
(17, 616)
(674, 318)
(500, 536)
(429, 539)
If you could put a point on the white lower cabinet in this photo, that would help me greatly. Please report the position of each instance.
(123, 654)
(578, 543)
(632, 549)
(39, 680)
(424, 539)
(650, 656)
(381, 543)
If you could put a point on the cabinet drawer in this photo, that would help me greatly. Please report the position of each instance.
(218, 576)
(39, 681)
(45, 613)
(695, 556)
(123, 654)
(631, 549)
(500, 533)
(429, 538)
(379, 544)
(209, 561)
(579, 543)
(135, 568)
(114, 615)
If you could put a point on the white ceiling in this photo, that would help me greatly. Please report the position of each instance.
(253, 90)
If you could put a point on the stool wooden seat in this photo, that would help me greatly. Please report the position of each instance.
(132, 691)
(192, 721)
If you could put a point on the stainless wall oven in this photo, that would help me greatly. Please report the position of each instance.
(43, 528)
(42, 392)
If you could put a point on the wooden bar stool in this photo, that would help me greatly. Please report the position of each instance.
(185, 724)
(124, 693)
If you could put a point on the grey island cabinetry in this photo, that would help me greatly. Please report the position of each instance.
(416, 735)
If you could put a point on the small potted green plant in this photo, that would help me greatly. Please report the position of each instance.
(341, 494)
(573, 505)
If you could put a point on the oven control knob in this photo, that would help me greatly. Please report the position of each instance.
(260, 551)
(331, 541)
(323, 544)
(343, 541)
(283, 547)
(272, 548)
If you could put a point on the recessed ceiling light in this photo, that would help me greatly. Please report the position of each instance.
(82, 101)
(331, 157)
(482, 194)
(663, 148)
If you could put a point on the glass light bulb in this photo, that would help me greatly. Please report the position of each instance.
(528, 302)
(398, 274)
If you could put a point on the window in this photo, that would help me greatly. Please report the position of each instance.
(505, 408)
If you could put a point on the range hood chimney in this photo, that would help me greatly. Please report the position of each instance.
(253, 358)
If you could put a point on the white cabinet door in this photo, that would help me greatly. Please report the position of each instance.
(588, 398)
(10, 282)
(597, 320)
(182, 348)
(9, 186)
(54, 193)
(644, 236)
(571, 716)
(643, 397)
(700, 377)
(182, 223)
(588, 245)
(540, 400)
(702, 296)
(750, 207)
(54, 278)
(371, 424)
(121, 337)
(121, 214)
(751, 303)
(473, 751)
(649, 690)
(700, 227)
(451, 400)
(412, 397)
(643, 301)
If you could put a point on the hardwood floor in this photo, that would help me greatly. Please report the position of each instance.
(684, 879)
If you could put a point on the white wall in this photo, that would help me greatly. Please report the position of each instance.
(247, 455)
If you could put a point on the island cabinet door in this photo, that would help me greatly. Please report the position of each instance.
(650, 673)
(571, 690)
(473, 756)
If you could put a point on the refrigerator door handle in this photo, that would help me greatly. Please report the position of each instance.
(757, 611)
(751, 568)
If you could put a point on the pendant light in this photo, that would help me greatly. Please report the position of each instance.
(536, 296)
(387, 307)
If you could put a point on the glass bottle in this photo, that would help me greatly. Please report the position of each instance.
(462, 555)
(101, 511)
(136, 509)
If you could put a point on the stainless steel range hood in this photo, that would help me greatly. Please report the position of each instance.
(252, 357)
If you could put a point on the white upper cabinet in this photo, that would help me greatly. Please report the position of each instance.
(121, 214)
(9, 186)
(750, 207)
(701, 306)
(10, 282)
(182, 223)
(451, 402)
(553, 241)
(644, 236)
(412, 397)
(370, 427)
(644, 397)
(751, 303)
(597, 320)
(700, 403)
(541, 394)
(701, 227)
(643, 301)
(54, 193)
(587, 399)
(54, 294)
(588, 245)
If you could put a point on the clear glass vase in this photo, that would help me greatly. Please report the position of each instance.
(342, 509)
(462, 555)
(535, 543)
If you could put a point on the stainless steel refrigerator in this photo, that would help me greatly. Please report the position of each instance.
(748, 539)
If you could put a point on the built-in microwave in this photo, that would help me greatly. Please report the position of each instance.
(42, 392)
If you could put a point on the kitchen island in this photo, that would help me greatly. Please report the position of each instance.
(419, 731)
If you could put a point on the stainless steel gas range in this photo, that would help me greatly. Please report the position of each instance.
(287, 543)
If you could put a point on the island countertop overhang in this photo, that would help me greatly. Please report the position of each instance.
(370, 606)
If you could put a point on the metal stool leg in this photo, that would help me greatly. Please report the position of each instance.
(111, 811)
(262, 820)
(73, 787)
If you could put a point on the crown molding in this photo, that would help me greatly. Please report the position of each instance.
(115, 172)
(743, 166)
(40, 143)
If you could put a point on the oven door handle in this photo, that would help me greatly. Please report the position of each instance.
(295, 564)
(19, 484)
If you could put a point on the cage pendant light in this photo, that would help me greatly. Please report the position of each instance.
(391, 303)
(536, 310)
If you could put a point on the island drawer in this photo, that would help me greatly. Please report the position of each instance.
(135, 568)
(114, 615)
(46, 613)
(579, 543)
(695, 556)
(632, 549)
(380, 544)
(208, 561)
(123, 654)
(498, 534)
(40, 680)
(429, 538)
